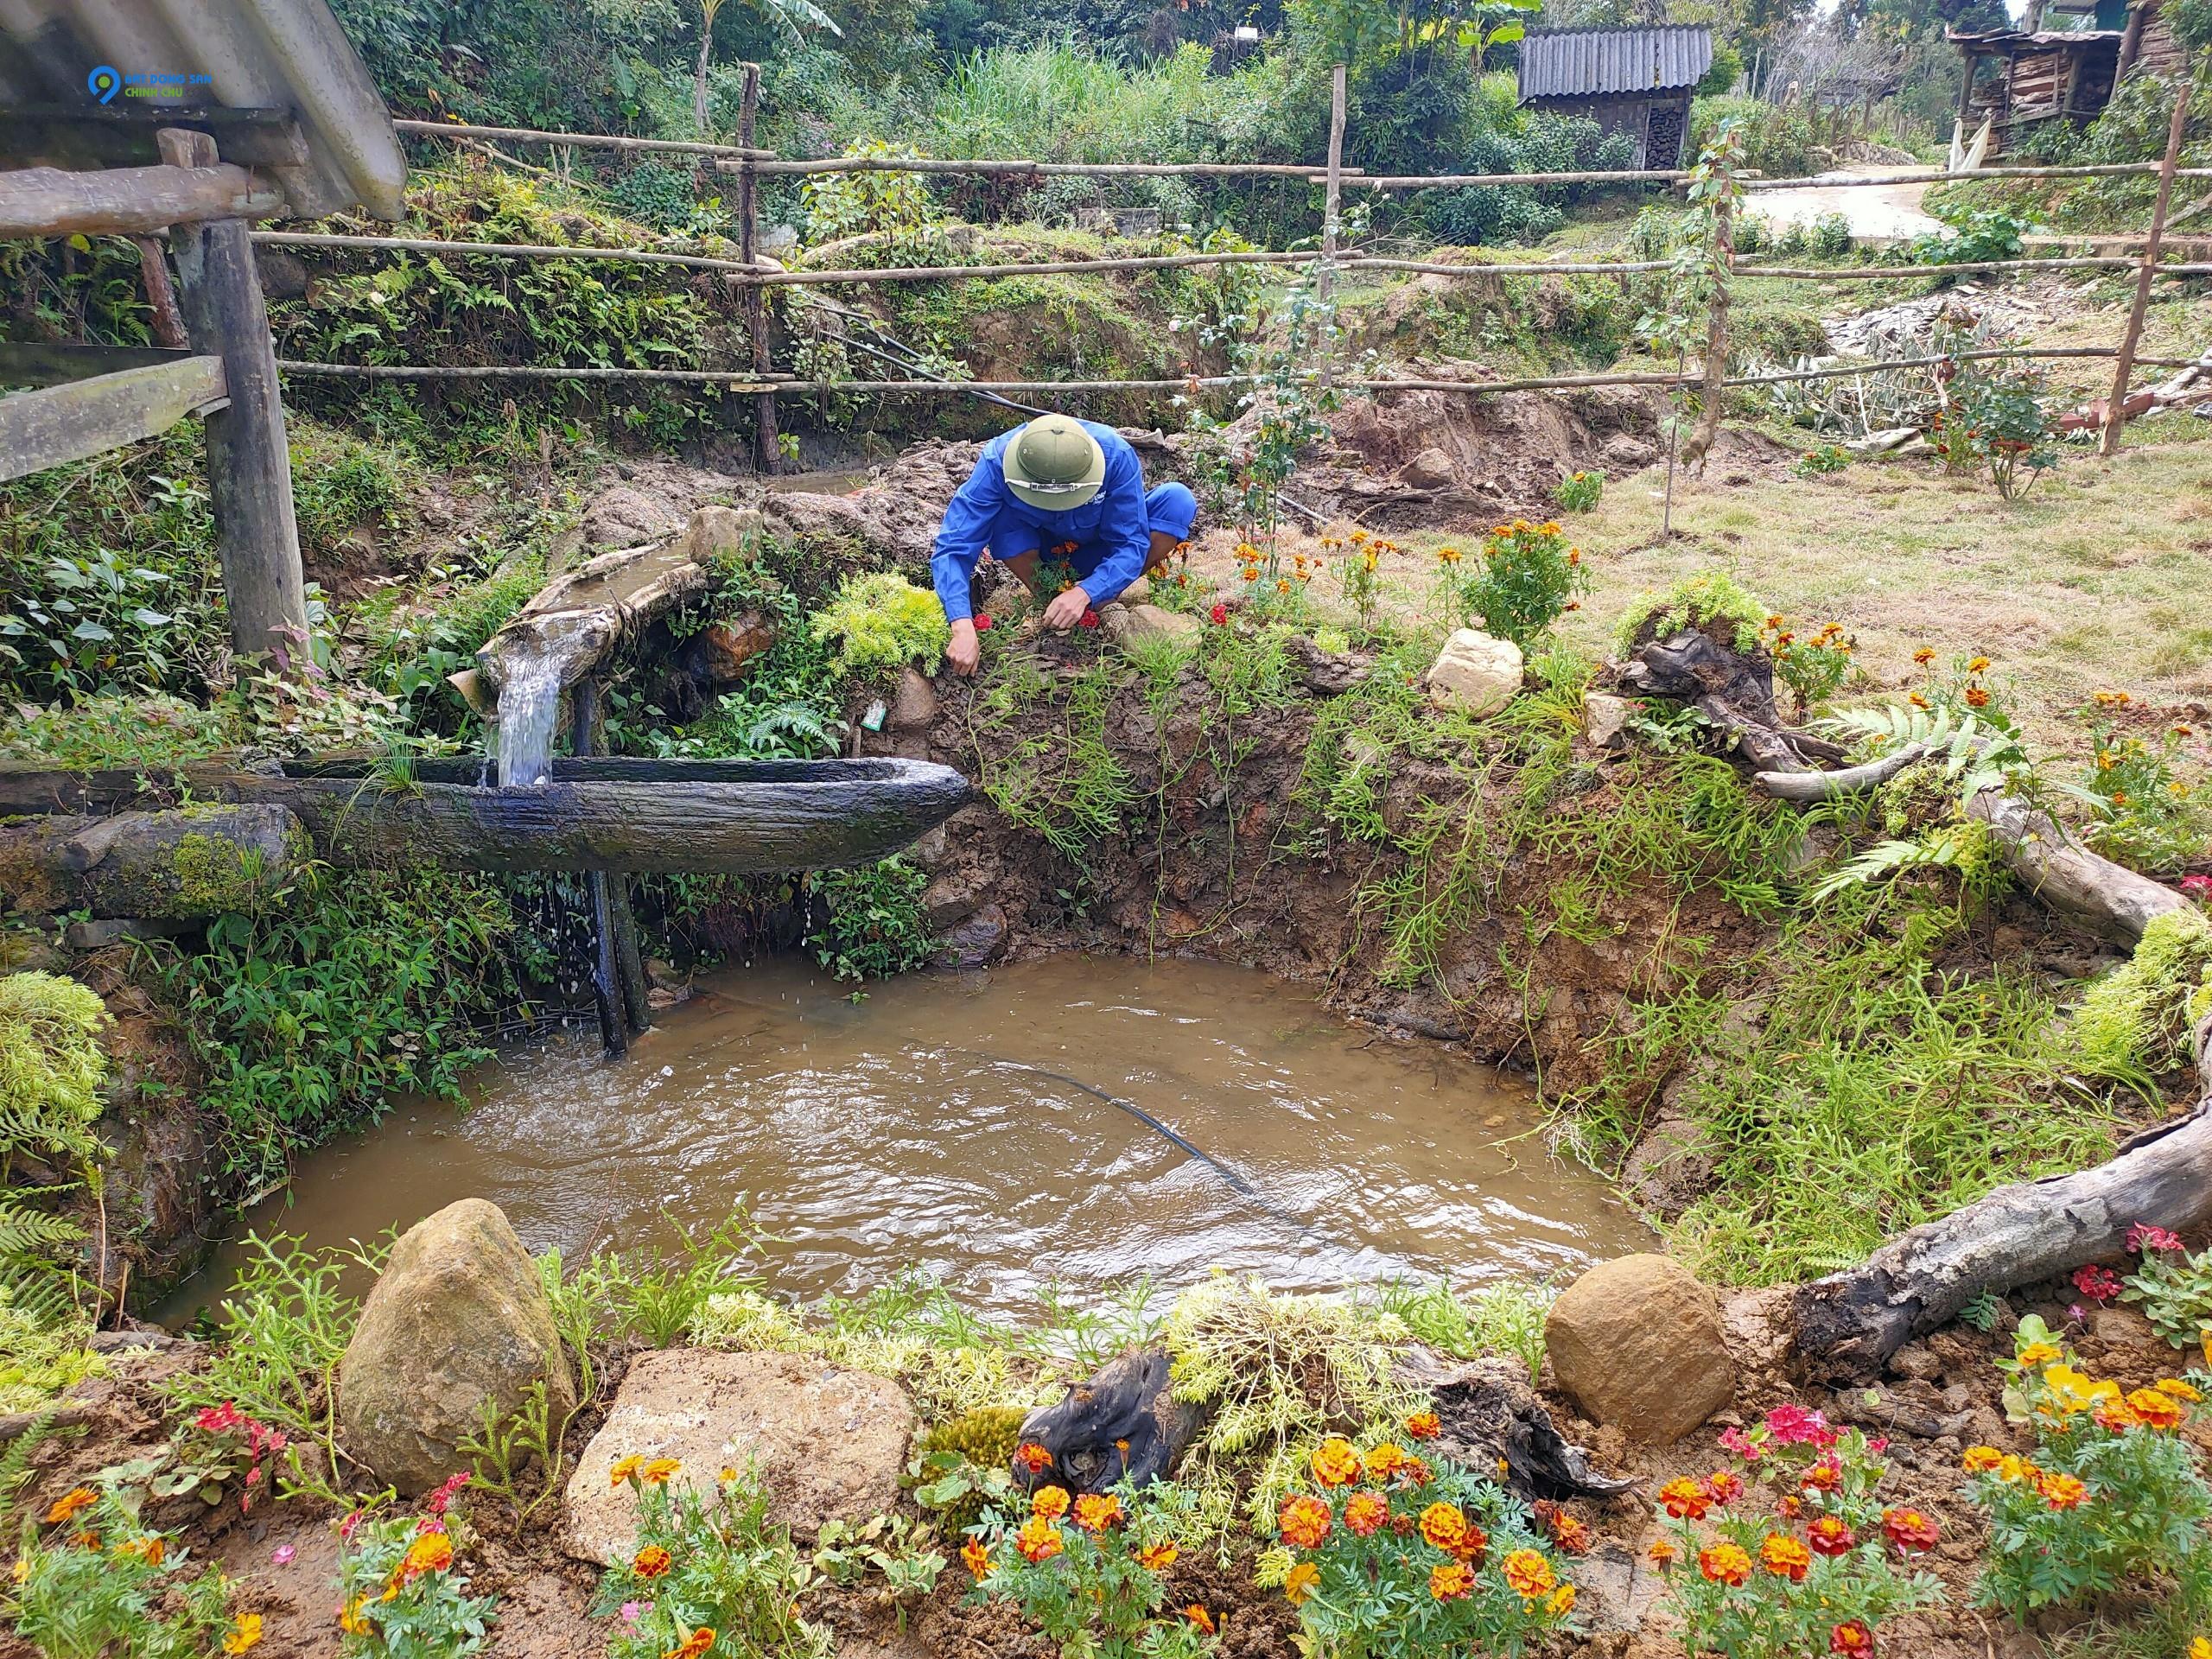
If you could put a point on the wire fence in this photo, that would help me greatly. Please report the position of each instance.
(753, 274)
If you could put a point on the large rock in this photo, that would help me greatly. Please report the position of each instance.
(459, 1317)
(1126, 623)
(1637, 1344)
(827, 1443)
(1475, 672)
(1431, 469)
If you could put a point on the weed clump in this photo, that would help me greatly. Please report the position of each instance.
(881, 622)
(1711, 600)
(51, 1066)
(2138, 1017)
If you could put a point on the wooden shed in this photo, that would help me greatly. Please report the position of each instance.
(1633, 80)
(2063, 67)
(179, 124)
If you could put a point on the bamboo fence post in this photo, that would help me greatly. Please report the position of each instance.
(766, 442)
(1326, 281)
(2116, 406)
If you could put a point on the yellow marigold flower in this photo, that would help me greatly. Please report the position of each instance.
(2016, 1469)
(149, 1549)
(1562, 1601)
(1037, 1540)
(2158, 1410)
(1784, 1557)
(1924, 656)
(656, 1472)
(2201, 1648)
(2061, 1491)
(352, 1621)
(2173, 1388)
(1384, 1461)
(1335, 1463)
(624, 1469)
(1528, 1574)
(1199, 1619)
(1051, 1502)
(1157, 1558)
(66, 1506)
(1547, 528)
(244, 1635)
(1300, 1585)
(1424, 1426)
(1304, 1521)
(1981, 1459)
(22, 1569)
(1095, 1511)
(2040, 1353)
(430, 1552)
(1977, 665)
(1450, 1582)
(1443, 1524)
(1358, 536)
(975, 1558)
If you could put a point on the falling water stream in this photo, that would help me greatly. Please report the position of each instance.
(533, 663)
(992, 1131)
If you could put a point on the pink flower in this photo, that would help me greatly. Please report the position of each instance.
(983, 626)
(217, 1419)
(428, 1524)
(2144, 1237)
(2098, 1284)
(2198, 887)
(349, 1526)
(1734, 1439)
(632, 1610)
(282, 1555)
(1878, 1444)
(446, 1493)
(1795, 1426)
(1220, 614)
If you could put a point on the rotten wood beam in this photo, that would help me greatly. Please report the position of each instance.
(44, 201)
(52, 362)
(78, 419)
(79, 139)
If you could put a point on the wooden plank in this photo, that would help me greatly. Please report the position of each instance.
(80, 418)
(54, 135)
(249, 463)
(54, 363)
(768, 446)
(129, 201)
(2116, 406)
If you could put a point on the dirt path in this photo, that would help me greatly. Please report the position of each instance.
(1871, 210)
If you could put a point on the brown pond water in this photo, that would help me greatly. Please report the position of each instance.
(944, 1124)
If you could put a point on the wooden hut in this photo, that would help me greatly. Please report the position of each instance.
(2063, 65)
(1633, 80)
(179, 124)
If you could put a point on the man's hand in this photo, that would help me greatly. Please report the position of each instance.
(1064, 612)
(964, 650)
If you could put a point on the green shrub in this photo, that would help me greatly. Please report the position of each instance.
(1712, 600)
(1830, 235)
(103, 1582)
(153, 732)
(1981, 236)
(1578, 491)
(882, 623)
(51, 1067)
(874, 926)
(1778, 139)
(39, 1357)
(2137, 1019)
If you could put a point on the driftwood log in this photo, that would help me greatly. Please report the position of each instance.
(1733, 689)
(185, 865)
(1493, 1423)
(1122, 1421)
(1848, 1324)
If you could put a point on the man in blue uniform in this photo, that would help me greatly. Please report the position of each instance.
(1070, 487)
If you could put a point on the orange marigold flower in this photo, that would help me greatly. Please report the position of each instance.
(1051, 1502)
(1443, 1524)
(651, 1562)
(1157, 1558)
(1300, 1585)
(431, 1553)
(1095, 1511)
(1528, 1574)
(1423, 1425)
(1981, 1459)
(1724, 1563)
(1785, 1558)
(1364, 1514)
(1684, 1499)
(1033, 1457)
(1977, 665)
(1570, 1534)
(1726, 1488)
(1037, 1540)
(1663, 1553)
(1830, 1534)
(2116, 1417)
(2061, 1491)
(2174, 1389)
(1304, 1521)
(1473, 1545)
(1200, 1619)
(975, 1558)
(1384, 1461)
(657, 1474)
(1451, 1582)
(1976, 697)
(624, 1469)
(1923, 656)
(66, 1506)
(2155, 1408)
(151, 1550)
(1917, 700)
(693, 1645)
(1825, 1476)
(1790, 1506)
(1910, 1530)
(1335, 1463)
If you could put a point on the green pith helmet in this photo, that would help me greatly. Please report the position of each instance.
(1053, 464)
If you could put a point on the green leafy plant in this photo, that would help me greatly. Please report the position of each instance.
(1821, 459)
(2112, 1497)
(1828, 236)
(882, 623)
(1504, 1318)
(1816, 1568)
(659, 1295)
(399, 1591)
(1527, 579)
(2143, 813)
(1983, 236)
(894, 206)
(1711, 600)
(710, 1570)
(1088, 1570)
(900, 1549)
(101, 1582)
(51, 1068)
(42, 1334)
(959, 1468)
(874, 925)
(501, 1451)
(1390, 1556)
(1578, 491)
(1995, 421)
(2172, 1287)
(1813, 665)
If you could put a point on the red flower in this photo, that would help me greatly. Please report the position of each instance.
(1794, 1426)
(1908, 1529)
(1853, 1639)
(982, 621)
(1089, 620)
(1220, 614)
(1830, 1534)
(1725, 1487)
(2098, 1284)
(1033, 1457)
(2144, 1237)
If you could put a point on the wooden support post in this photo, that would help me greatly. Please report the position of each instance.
(605, 974)
(766, 440)
(2131, 39)
(1332, 224)
(249, 463)
(161, 293)
(2116, 405)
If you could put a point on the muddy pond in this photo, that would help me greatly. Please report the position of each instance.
(990, 1131)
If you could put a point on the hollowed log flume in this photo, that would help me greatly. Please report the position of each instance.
(716, 818)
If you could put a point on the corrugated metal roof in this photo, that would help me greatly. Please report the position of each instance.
(269, 55)
(1567, 63)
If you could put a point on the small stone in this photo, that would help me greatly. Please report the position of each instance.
(1637, 1343)
(1604, 719)
(826, 1443)
(949, 899)
(459, 1317)
(915, 707)
(1125, 624)
(1431, 469)
(974, 941)
(719, 653)
(1914, 1360)
(1475, 672)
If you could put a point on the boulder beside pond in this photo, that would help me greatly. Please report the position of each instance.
(1637, 1344)
(827, 1443)
(460, 1318)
